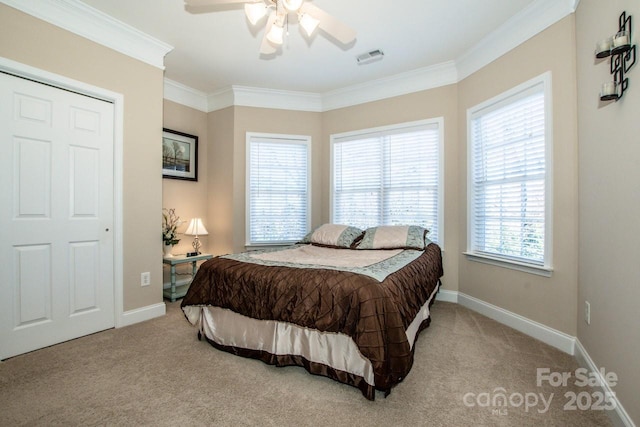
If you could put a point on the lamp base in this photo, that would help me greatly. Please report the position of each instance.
(193, 254)
(196, 245)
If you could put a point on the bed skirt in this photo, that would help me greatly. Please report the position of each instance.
(330, 354)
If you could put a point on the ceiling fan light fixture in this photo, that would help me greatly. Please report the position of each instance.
(255, 11)
(276, 34)
(308, 23)
(292, 5)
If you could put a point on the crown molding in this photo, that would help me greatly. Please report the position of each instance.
(532, 20)
(576, 3)
(399, 84)
(185, 95)
(220, 99)
(279, 99)
(244, 96)
(388, 87)
(90, 23)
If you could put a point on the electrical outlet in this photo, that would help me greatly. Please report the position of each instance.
(145, 279)
(587, 312)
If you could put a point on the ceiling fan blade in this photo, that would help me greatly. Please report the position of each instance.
(329, 24)
(266, 48)
(198, 3)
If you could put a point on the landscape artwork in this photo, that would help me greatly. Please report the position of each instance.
(179, 155)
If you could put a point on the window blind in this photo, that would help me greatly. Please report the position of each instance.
(388, 177)
(278, 190)
(508, 171)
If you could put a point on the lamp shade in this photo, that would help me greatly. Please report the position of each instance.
(196, 228)
(255, 12)
(276, 34)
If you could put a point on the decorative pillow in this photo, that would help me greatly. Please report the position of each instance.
(335, 235)
(394, 237)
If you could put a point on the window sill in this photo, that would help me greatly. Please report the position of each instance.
(512, 265)
(258, 246)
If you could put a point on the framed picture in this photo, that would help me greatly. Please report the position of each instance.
(179, 155)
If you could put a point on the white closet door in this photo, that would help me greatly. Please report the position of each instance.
(56, 215)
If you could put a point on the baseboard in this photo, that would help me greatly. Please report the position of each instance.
(447, 296)
(618, 416)
(141, 314)
(547, 335)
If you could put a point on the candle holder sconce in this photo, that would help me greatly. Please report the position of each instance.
(623, 57)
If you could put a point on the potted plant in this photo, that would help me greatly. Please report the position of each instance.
(170, 223)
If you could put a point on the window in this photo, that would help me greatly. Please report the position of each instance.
(509, 179)
(389, 176)
(278, 195)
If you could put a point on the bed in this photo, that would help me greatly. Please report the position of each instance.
(343, 303)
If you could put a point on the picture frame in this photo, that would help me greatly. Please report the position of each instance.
(179, 155)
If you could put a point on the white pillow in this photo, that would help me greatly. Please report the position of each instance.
(334, 235)
(394, 237)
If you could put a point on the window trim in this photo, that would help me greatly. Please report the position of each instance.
(439, 121)
(283, 139)
(544, 269)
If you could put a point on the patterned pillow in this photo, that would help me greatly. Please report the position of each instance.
(334, 235)
(394, 237)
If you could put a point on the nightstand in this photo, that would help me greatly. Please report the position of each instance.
(178, 291)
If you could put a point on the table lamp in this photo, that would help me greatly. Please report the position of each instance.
(196, 228)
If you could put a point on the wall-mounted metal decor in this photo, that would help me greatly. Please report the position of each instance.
(623, 57)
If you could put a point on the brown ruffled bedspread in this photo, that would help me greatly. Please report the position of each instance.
(374, 314)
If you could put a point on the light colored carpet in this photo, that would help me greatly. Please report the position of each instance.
(158, 373)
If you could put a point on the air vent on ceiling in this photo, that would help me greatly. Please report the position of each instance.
(374, 55)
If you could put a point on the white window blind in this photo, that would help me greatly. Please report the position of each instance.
(508, 215)
(277, 188)
(388, 177)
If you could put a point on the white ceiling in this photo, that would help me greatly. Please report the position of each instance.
(217, 50)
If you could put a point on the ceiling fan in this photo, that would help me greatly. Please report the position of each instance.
(278, 13)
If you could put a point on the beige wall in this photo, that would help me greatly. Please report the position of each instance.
(220, 162)
(609, 142)
(30, 41)
(439, 102)
(550, 301)
(188, 198)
